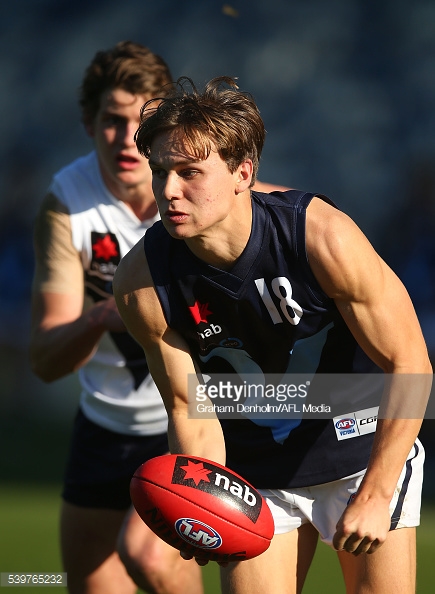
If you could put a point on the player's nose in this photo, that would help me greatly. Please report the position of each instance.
(126, 133)
(172, 186)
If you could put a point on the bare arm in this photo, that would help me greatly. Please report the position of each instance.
(168, 358)
(63, 337)
(378, 311)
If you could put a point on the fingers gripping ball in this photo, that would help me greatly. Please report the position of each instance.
(201, 507)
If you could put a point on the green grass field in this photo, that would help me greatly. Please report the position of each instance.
(29, 537)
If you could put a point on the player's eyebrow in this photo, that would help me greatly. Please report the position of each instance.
(154, 163)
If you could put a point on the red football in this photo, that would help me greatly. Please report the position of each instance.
(201, 507)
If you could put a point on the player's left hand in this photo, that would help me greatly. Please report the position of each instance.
(363, 527)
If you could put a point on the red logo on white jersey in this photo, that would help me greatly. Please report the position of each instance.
(104, 248)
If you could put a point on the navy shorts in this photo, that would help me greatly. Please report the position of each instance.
(101, 463)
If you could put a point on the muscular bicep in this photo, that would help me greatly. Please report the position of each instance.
(382, 319)
(370, 297)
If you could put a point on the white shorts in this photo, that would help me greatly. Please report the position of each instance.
(323, 505)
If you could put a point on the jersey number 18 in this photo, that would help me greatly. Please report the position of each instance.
(282, 288)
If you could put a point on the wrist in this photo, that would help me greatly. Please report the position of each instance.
(96, 317)
(375, 491)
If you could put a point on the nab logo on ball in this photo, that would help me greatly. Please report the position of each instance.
(212, 479)
(198, 534)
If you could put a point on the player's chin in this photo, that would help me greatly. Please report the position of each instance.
(129, 179)
(178, 231)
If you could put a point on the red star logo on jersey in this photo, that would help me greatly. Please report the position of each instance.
(196, 472)
(200, 312)
(105, 248)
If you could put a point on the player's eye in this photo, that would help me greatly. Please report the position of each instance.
(112, 120)
(188, 173)
(158, 173)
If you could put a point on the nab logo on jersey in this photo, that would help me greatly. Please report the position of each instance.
(200, 312)
(198, 534)
(210, 331)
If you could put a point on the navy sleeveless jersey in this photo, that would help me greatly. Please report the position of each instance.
(267, 312)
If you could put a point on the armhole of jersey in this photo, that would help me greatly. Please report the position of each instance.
(159, 273)
(301, 204)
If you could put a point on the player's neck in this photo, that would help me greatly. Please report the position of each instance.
(222, 245)
(143, 210)
(140, 200)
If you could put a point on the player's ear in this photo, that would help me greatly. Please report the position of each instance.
(89, 128)
(244, 175)
(89, 125)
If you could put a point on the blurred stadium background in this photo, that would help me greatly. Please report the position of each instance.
(347, 92)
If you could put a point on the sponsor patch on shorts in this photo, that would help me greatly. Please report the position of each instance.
(356, 423)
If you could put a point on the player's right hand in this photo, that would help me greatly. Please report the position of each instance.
(201, 562)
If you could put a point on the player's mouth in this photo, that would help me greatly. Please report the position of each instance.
(127, 162)
(176, 216)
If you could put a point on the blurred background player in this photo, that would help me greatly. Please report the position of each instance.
(96, 209)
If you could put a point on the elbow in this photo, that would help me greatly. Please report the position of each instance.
(42, 369)
(43, 374)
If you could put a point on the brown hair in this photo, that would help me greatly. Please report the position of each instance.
(221, 118)
(129, 66)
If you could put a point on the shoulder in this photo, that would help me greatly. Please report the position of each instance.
(330, 229)
(53, 217)
(79, 182)
(339, 253)
(58, 267)
(79, 166)
(325, 221)
(52, 204)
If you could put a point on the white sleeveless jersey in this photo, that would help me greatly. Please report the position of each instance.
(118, 392)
